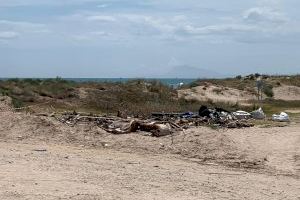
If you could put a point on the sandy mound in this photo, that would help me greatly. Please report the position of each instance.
(205, 144)
(287, 93)
(241, 148)
(216, 94)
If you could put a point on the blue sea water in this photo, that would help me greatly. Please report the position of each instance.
(166, 81)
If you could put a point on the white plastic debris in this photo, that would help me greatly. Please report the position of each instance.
(225, 116)
(242, 114)
(283, 117)
(258, 114)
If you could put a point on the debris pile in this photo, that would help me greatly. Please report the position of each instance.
(160, 124)
(116, 125)
(258, 114)
(163, 124)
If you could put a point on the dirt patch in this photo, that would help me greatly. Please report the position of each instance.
(278, 146)
(293, 111)
(5, 104)
(287, 93)
(66, 172)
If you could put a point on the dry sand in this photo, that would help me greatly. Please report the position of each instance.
(67, 172)
(216, 94)
(43, 159)
(287, 93)
(230, 95)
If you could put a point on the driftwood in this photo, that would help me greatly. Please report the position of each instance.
(157, 130)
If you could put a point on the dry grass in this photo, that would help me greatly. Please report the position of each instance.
(138, 98)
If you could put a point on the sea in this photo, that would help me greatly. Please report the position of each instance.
(167, 81)
(172, 82)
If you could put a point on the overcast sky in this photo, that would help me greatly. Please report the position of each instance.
(146, 38)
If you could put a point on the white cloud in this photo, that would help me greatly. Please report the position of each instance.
(264, 20)
(102, 6)
(81, 37)
(10, 30)
(150, 31)
(93, 36)
(256, 21)
(11, 3)
(23, 26)
(270, 3)
(8, 35)
(218, 29)
(20, 23)
(161, 24)
(101, 18)
(265, 15)
(100, 33)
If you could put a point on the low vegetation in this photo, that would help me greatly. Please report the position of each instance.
(268, 90)
(137, 97)
(249, 82)
(25, 91)
(134, 98)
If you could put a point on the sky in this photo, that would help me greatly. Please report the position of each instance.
(147, 38)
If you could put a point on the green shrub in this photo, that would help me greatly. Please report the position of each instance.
(268, 90)
(5, 92)
(17, 103)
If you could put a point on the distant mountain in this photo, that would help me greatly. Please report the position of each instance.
(191, 72)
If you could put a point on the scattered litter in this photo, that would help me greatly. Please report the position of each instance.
(104, 144)
(187, 115)
(258, 114)
(40, 150)
(204, 112)
(215, 113)
(20, 137)
(242, 115)
(282, 117)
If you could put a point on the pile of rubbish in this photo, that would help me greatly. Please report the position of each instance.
(117, 125)
(282, 117)
(162, 124)
(159, 124)
(221, 114)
